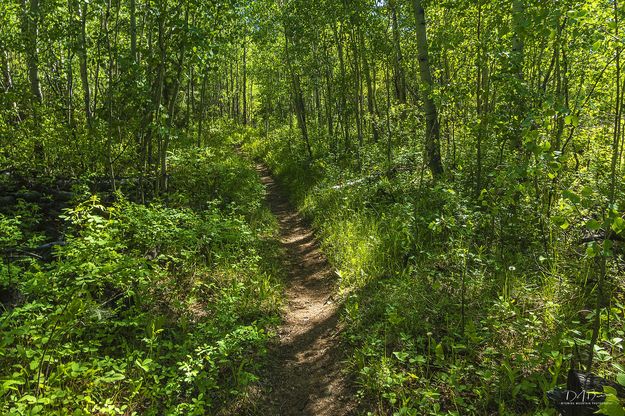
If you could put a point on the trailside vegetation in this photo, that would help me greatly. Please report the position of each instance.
(159, 308)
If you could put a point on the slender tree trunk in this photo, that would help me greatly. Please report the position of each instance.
(400, 77)
(7, 78)
(171, 107)
(200, 130)
(6, 71)
(517, 58)
(190, 102)
(231, 97)
(371, 107)
(133, 31)
(96, 76)
(70, 86)
(481, 99)
(617, 111)
(245, 82)
(298, 98)
(30, 32)
(329, 96)
(109, 98)
(82, 57)
(389, 132)
(357, 96)
(317, 101)
(237, 91)
(251, 105)
(432, 127)
(158, 89)
(342, 93)
(316, 89)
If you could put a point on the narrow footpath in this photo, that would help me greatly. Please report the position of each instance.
(305, 375)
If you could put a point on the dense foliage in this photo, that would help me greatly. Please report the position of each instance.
(146, 309)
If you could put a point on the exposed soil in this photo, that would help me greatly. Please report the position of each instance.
(305, 373)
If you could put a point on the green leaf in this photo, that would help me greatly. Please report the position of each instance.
(571, 120)
(28, 398)
(621, 379)
(591, 250)
(112, 377)
(611, 406)
(618, 225)
(10, 385)
(400, 355)
(571, 196)
(145, 365)
(440, 353)
(593, 225)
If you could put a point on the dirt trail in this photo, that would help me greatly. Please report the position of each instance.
(305, 372)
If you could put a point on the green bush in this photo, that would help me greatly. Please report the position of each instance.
(147, 309)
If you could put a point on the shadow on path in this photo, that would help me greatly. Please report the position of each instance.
(304, 375)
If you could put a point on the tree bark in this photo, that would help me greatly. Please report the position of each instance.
(133, 30)
(371, 107)
(617, 111)
(6, 71)
(517, 57)
(329, 95)
(357, 97)
(82, 54)
(30, 32)
(200, 130)
(344, 116)
(400, 76)
(245, 82)
(171, 107)
(481, 94)
(298, 98)
(432, 126)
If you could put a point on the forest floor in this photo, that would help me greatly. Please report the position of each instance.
(305, 373)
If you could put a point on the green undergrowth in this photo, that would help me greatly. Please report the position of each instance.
(448, 309)
(156, 309)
